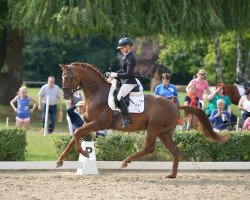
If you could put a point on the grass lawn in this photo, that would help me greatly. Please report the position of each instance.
(41, 148)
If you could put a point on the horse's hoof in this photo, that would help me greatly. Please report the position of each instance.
(171, 176)
(59, 164)
(123, 165)
(86, 153)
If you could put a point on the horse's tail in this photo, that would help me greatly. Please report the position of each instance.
(201, 123)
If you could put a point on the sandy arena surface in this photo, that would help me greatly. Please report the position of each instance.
(124, 184)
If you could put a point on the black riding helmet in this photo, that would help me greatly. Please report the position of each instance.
(124, 41)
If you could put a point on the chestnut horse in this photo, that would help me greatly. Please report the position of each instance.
(233, 93)
(159, 118)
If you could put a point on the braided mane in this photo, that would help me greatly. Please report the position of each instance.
(89, 66)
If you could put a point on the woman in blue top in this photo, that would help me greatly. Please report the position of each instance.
(23, 108)
(166, 89)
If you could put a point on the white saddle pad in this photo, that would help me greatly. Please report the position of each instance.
(240, 89)
(136, 104)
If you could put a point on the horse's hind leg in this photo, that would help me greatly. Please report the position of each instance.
(149, 148)
(168, 142)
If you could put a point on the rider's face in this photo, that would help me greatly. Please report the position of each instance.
(124, 49)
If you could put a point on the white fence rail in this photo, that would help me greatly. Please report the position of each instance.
(50, 165)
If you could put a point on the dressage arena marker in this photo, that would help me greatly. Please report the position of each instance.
(136, 165)
(89, 164)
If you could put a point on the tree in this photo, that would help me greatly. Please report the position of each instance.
(110, 17)
(239, 65)
(42, 55)
(183, 58)
(218, 67)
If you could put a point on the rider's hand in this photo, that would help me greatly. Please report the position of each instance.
(113, 74)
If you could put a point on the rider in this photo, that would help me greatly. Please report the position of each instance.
(126, 75)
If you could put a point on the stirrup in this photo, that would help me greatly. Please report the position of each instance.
(125, 123)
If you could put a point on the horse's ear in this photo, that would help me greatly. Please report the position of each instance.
(62, 66)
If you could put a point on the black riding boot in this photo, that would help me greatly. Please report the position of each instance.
(124, 108)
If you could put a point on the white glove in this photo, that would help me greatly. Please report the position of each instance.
(113, 74)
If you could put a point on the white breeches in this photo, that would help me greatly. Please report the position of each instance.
(124, 90)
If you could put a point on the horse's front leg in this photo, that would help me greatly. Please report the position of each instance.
(79, 133)
(66, 151)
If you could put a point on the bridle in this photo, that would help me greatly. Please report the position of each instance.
(73, 78)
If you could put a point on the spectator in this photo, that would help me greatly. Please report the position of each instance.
(191, 100)
(69, 103)
(247, 124)
(219, 93)
(220, 118)
(167, 89)
(23, 108)
(52, 91)
(244, 105)
(77, 118)
(201, 85)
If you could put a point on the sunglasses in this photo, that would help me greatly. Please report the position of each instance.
(202, 74)
(165, 78)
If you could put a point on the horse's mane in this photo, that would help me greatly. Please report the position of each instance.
(89, 66)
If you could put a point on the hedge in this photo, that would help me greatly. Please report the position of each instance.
(12, 144)
(193, 147)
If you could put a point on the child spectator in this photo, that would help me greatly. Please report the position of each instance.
(191, 100)
(23, 108)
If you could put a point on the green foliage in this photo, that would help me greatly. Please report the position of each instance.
(42, 55)
(12, 144)
(184, 18)
(194, 147)
(118, 146)
(179, 55)
(61, 143)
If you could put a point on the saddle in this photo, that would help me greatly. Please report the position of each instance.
(134, 101)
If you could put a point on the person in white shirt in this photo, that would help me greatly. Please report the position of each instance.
(53, 92)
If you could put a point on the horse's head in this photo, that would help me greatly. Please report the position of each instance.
(70, 82)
